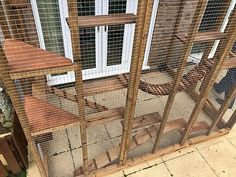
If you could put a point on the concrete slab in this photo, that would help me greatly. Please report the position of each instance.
(189, 165)
(221, 158)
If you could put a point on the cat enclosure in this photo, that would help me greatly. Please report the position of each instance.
(99, 85)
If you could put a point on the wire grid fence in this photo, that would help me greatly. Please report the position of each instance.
(79, 99)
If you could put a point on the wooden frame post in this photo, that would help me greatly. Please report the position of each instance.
(19, 108)
(140, 39)
(225, 44)
(74, 29)
(231, 121)
(193, 31)
(223, 109)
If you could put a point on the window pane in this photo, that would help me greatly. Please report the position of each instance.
(49, 14)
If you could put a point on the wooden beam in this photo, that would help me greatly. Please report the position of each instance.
(145, 120)
(140, 39)
(103, 20)
(225, 44)
(203, 36)
(231, 122)
(75, 37)
(201, 5)
(72, 97)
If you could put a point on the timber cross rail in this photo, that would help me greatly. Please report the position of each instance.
(25, 69)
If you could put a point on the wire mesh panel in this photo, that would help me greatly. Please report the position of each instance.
(96, 84)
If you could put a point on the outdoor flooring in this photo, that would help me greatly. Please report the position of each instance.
(214, 158)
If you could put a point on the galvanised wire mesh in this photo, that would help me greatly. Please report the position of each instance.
(95, 83)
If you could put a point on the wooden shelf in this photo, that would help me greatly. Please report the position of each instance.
(102, 20)
(25, 60)
(203, 36)
(46, 118)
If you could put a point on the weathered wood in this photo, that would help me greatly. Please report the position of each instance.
(140, 38)
(23, 65)
(102, 20)
(72, 97)
(225, 44)
(203, 36)
(145, 120)
(192, 33)
(7, 152)
(224, 107)
(3, 170)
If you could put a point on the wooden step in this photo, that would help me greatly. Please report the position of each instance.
(146, 120)
(202, 36)
(103, 20)
(26, 60)
(137, 140)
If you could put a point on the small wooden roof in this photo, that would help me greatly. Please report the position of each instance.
(25, 58)
(44, 116)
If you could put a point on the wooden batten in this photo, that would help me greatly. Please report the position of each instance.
(103, 20)
(226, 44)
(192, 33)
(202, 36)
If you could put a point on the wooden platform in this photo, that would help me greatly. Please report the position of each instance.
(45, 118)
(102, 20)
(203, 36)
(25, 60)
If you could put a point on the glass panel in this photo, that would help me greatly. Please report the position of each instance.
(49, 14)
(86, 7)
(115, 34)
(87, 35)
(88, 47)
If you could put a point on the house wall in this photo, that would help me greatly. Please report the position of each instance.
(167, 14)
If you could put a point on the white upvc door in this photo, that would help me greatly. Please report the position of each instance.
(105, 50)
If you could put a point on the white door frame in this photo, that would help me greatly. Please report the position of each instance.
(100, 64)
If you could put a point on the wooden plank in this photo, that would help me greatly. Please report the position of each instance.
(145, 120)
(45, 118)
(201, 5)
(226, 45)
(3, 170)
(63, 94)
(203, 36)
(138, 51)
(103, 20)
(11, 160)
(20, 60)
(224, 107)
